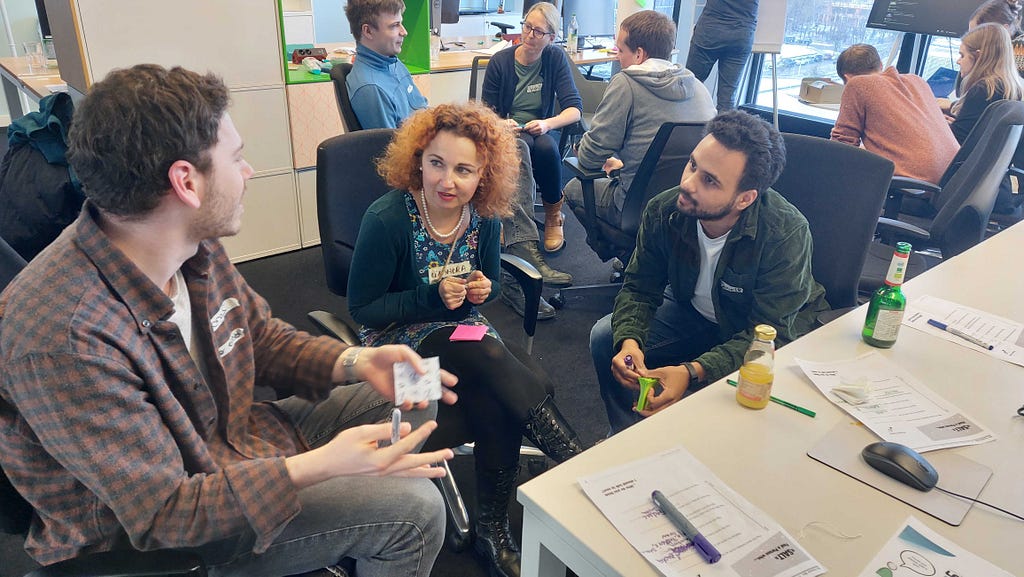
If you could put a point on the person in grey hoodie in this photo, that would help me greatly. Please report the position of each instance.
(648, 92)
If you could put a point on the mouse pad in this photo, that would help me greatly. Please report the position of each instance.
(840, 449)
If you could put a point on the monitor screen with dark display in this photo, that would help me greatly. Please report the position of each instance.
(934, 17)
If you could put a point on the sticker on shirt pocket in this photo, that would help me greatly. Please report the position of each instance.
(236, 335)
(225, 307)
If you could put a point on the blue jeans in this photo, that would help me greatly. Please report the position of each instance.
(731, 60)
(391, 526)
(678, 334)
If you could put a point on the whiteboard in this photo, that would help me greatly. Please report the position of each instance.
(771, 26)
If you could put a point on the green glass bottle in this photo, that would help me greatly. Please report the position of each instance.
(885, 312)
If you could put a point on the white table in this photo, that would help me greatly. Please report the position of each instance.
(762, 454)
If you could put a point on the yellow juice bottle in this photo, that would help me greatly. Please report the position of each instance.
(758, 370)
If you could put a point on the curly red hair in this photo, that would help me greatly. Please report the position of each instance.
(495, 147)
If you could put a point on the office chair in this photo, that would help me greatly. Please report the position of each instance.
(962, 202)
(347, 183)
(339, 72)
(840, 190)
(591, 91)
(661, 169)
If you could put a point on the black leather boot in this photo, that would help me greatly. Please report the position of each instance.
(528, 251)
(548, 430)
(494, 541)
(512, 295)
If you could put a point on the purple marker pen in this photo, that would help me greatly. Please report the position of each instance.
(629, 361)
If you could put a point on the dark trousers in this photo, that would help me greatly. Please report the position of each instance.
(547, 164)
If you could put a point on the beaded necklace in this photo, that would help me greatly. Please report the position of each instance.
(430, 225)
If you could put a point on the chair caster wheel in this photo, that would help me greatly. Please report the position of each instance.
(557, 301)
(457, 541)
(536, 466)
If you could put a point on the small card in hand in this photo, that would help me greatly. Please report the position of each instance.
(410, 386)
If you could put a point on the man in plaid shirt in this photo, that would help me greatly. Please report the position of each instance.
(129, 350)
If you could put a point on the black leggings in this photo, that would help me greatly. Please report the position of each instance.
(496, 392)
(547, 164)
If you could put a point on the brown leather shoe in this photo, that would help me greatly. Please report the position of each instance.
(554, 238)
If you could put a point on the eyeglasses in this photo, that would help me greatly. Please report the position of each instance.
(538, 32)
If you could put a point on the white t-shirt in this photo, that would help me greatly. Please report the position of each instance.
(710, 251)
(182, 316)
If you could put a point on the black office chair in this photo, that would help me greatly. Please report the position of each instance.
(347, 183)
(962, 203)
(661, 169)
(339, 72)
(840, 190)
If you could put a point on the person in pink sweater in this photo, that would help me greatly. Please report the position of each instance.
(893, 115)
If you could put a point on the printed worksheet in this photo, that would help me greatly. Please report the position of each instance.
(917, 550)
(1006, 337)
(752, 544)
(895, 406)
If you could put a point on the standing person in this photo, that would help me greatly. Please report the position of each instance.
(714, 257)
(893, 115)
(128, 407)
(989, 74)
(724, 33)
(649, 92)
(376, 85)
(522, 84)
(427, 256)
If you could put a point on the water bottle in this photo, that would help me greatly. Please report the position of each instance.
(758, 371)
(571, 39)
(885, 312)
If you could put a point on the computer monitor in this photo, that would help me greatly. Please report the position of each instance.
(443, 12)
(934, 17)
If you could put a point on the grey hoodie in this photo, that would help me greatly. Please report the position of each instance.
(637, 102)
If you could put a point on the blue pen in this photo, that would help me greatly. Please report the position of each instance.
(957, 332)
(701, 544)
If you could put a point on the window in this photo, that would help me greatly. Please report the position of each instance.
(816, 32)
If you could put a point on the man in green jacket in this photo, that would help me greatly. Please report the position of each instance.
(715, 256)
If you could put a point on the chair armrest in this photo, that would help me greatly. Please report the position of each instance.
(576, 171)
(532, 284)
(330, 325)
(913, 185)
(165, 563)
(902, 186)
(892, 230)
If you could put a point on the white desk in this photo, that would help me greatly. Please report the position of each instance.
(18, 77)
(762, 454)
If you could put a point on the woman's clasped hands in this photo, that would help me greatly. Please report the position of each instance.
(456, 290)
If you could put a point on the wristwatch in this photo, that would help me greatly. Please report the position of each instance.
(694, 379)
(349, 358)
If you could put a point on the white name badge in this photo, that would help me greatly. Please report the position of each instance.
(437, 273)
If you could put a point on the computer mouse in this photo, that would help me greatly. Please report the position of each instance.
(901, 463)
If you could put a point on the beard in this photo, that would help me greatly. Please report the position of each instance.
(687, 206)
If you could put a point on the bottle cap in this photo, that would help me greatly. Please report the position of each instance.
(764, 332)
(903, 247)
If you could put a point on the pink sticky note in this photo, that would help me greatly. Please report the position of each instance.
(468, 333)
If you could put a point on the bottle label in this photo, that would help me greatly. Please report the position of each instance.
(897, 268)
(887, 325)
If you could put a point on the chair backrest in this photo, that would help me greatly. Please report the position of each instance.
(476, 76)
(840, 190)
(661, 168)
(347, 183)
(15, 512)
(591, 91)
(967, 198)
(339, 72)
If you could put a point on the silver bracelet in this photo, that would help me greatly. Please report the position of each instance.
(349, 358)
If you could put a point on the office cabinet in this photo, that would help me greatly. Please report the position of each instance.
(240, 41)
(309, 227)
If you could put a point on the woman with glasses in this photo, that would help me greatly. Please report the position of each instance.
(522, 84)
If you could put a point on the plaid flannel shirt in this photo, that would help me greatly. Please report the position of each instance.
(106, 424)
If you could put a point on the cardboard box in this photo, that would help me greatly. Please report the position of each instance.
(820, 91)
